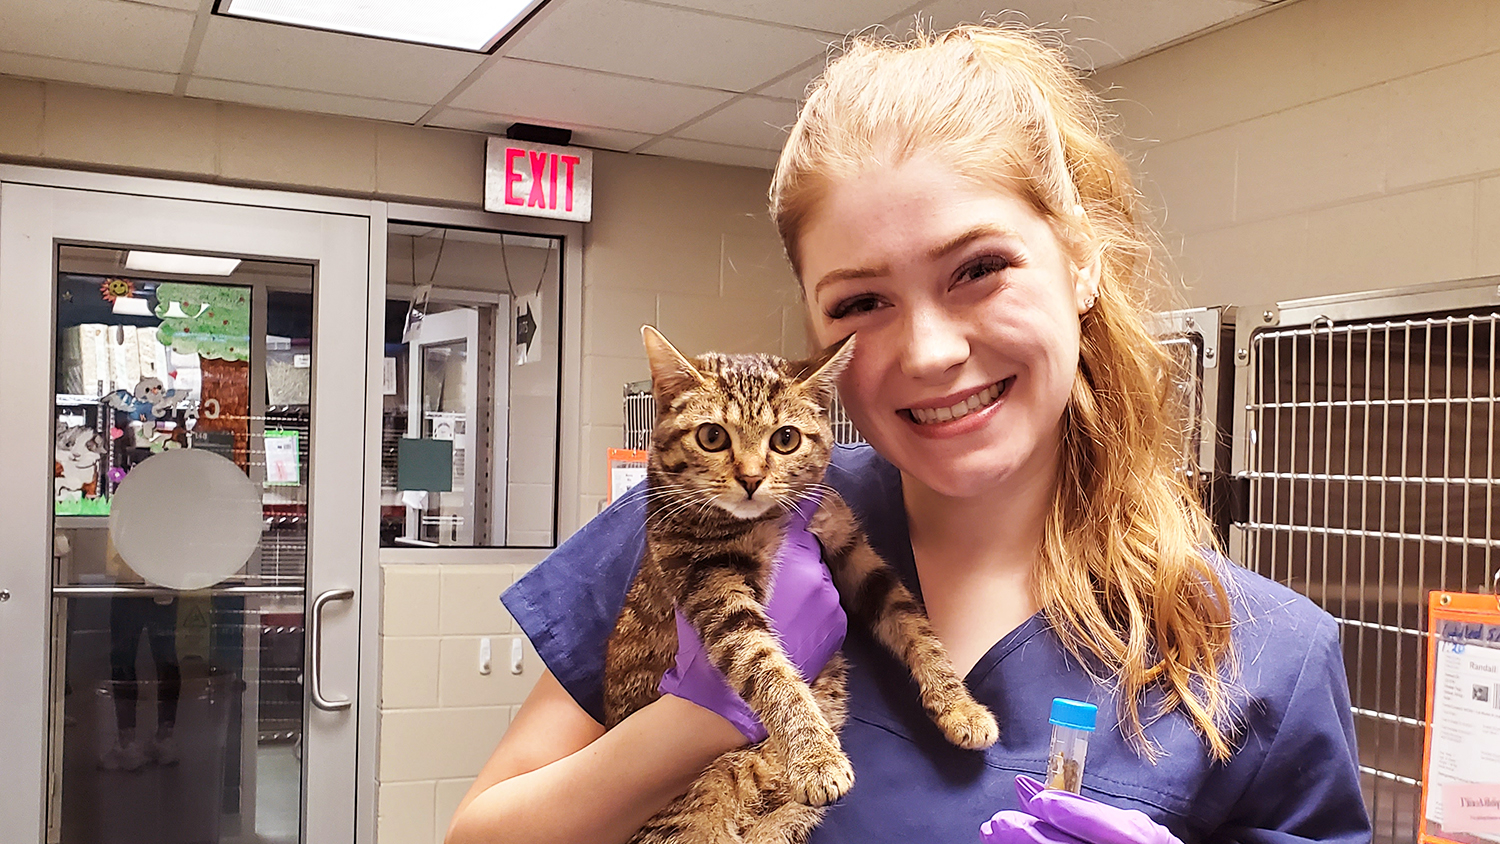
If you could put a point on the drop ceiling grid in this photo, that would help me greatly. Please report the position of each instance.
(97, 32)
(291, 99)
(314, 61)
(747, 122)
(834, 17)
(666, 44)
(574, 96)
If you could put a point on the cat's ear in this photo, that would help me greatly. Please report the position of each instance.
(823, 371)
(671, 373)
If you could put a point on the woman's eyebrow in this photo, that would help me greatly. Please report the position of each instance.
(978, 232)
(852, 272)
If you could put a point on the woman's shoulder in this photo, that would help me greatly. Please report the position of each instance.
(864, 479)
(1264, 607)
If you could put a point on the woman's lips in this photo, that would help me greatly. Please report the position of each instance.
(935, 416)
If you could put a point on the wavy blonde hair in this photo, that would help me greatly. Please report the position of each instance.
(1124, 577)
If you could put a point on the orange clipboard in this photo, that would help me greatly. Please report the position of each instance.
(627, 467)
(1463, 645)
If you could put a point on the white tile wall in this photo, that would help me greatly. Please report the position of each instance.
(440, 718)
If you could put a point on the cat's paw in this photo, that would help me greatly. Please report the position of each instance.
(969, 725)
(820, 777)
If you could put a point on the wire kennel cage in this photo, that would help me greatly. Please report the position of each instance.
(1364, 452)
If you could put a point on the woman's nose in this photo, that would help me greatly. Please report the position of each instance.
(932, 344)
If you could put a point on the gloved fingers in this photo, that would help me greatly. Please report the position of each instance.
(1012, 827)
(1027, 788)
(1095, 822)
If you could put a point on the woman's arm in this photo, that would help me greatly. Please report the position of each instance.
(557, 776)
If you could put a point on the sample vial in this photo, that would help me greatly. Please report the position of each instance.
(1072, 723)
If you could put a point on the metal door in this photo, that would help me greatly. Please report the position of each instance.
(442, 391)
(151, 692)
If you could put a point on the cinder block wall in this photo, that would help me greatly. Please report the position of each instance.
(1326, 146)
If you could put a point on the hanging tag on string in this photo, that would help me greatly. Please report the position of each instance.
(415, 312)
(528, 312)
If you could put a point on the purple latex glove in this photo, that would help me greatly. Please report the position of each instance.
(1049, 816)
(805, 615)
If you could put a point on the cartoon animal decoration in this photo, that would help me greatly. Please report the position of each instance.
(76, 462)
(150, 401)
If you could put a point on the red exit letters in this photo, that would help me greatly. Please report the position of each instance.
(540, 169)
(538, 180)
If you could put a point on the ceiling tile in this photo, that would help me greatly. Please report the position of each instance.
(835, 16)
(1099, 33)
(794, 86)
(311, 60)
(106, 32)
(184, 5)
(1110, 34)
(83, 73)
(293, 100)
(749, 122)
(542, 93)
(496, 124)
(666, 44)
(717, 153)
(588, 136)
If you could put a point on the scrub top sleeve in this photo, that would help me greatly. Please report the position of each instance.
(567, 604)
(1307, 788)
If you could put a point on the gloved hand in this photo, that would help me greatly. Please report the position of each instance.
(805, 615)
(1049, 816)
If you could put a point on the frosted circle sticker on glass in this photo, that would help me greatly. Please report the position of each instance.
(186, 518)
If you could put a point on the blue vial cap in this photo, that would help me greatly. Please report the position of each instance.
(1074, 714)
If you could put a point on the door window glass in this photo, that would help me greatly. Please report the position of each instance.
(469, 452)
(180, 551)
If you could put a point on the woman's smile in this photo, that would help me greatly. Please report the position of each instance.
(942, 416)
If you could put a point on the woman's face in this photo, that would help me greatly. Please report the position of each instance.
(966, 307)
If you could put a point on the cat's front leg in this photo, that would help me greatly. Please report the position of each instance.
(724, 607)
(874, 594)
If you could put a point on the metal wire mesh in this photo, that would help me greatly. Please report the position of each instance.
(640, 415)
(1371, 480)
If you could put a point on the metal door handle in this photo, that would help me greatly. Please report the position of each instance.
(315, 660)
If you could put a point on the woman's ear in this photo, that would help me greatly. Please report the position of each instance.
(1086, 284)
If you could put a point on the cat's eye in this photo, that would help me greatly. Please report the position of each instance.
(713, 437)
(786, 440)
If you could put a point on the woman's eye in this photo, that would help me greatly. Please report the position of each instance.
(981, 268)
(786, 440)
(853, 305)
(713, 437)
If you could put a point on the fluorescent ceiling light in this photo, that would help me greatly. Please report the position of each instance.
(475, 25)
(166, 262)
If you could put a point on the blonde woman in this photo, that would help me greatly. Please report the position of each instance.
(955, 201)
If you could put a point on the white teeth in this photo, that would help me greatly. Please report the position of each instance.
(958, 411)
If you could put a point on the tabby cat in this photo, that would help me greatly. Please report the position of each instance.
(739, 441)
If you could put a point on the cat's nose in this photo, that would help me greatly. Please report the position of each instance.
(750, 485)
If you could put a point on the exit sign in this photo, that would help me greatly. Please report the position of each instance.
(538, 180)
